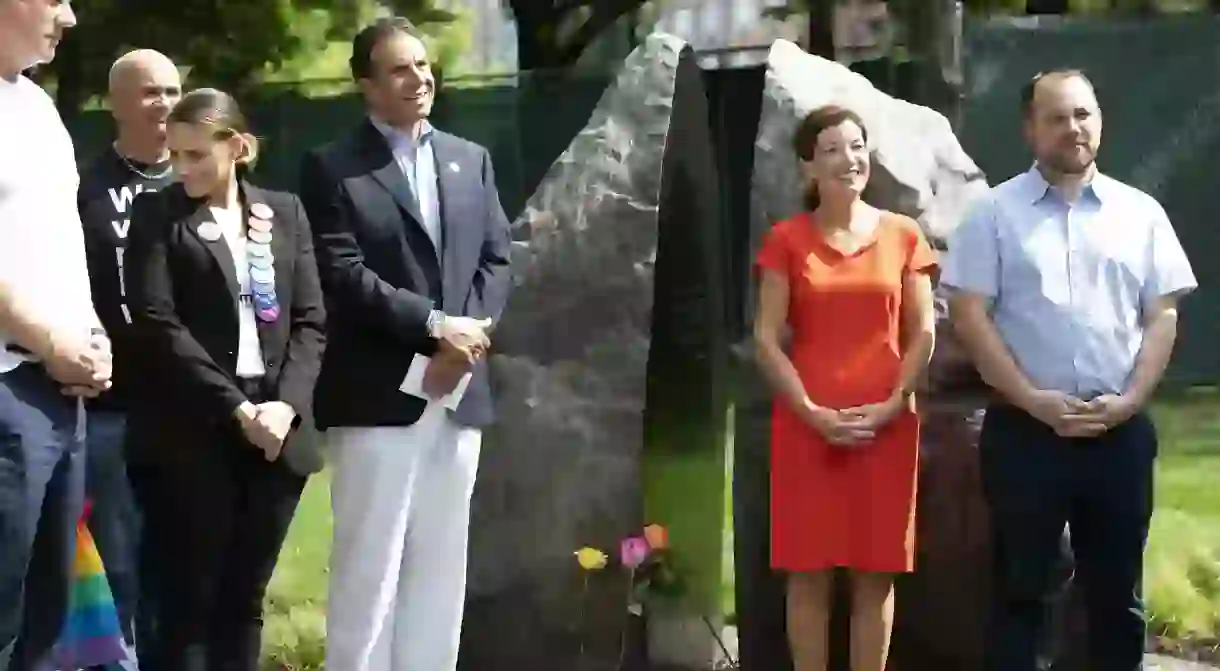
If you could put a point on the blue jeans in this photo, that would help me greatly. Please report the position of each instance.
(42, 486)
(115, 518)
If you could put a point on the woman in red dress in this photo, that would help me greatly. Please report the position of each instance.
(853, 284)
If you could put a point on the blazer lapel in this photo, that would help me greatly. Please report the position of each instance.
(386, 171)
(449, 179)
(213, 240)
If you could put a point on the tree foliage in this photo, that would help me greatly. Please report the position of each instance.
(224, 43)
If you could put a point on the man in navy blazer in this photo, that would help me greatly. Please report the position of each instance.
(413, 252)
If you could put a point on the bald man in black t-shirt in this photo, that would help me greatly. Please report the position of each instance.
(144, 85)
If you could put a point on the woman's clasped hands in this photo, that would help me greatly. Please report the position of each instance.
(266, 425)
(855, 426)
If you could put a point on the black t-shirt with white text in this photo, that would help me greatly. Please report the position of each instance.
(108, 187)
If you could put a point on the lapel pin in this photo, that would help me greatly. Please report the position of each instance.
(453, 167)
(261, 211)
(257, 224)
(264, 276)
(209, 230)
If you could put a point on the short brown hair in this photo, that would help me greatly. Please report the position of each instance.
(805, 139)
(1031, 87)
(373, 34)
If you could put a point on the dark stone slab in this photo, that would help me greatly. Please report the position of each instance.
(685, 459)
(561, 468)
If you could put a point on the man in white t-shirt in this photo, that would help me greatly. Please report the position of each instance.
(53, 350)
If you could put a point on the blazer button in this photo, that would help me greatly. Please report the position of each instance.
(230, 352)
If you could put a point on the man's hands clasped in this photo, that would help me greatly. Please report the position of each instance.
(1071, 417)
(463, 341)
(83, 367)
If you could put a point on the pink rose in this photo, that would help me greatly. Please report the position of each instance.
(634, 551)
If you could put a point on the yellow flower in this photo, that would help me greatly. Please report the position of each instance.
(591, 559)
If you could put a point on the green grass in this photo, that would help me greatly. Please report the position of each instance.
(1183, 559)
(295, 630)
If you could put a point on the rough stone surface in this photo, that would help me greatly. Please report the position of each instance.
(560, 469)
(919, 168)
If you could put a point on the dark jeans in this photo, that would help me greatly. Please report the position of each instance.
(42, 485)
(114, 520)
(221, 514)
(1101, 488)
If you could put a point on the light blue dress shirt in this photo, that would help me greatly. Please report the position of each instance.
(1068, 283)
(418, 163)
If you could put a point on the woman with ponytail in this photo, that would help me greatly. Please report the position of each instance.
(227, 310)
(852, 284)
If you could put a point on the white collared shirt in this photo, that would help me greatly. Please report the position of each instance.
(249, 351)
(42, 244)
(418, 163)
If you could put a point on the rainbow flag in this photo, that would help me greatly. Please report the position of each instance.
(91, 635)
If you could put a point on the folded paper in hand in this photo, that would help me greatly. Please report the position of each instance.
(413, 384)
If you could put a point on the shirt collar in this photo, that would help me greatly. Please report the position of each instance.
(398, 138)
(1037, 187)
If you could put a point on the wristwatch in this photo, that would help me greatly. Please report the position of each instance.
(436, 318)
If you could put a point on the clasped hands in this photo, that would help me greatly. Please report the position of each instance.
(463, 341)
(1071, 417)
(83, 367)
(853, 426)
(266, 425)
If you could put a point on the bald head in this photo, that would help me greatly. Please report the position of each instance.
(144, 86)
(134, 66)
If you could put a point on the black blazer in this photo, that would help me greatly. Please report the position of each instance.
(182, 293)
(382, 275)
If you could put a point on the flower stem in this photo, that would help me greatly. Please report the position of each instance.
(622, 636)
(584, 598)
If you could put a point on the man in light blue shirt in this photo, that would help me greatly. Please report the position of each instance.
(1064, 288)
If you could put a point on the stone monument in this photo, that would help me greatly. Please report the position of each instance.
(617, 221)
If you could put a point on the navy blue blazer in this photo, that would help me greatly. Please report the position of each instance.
(382, 275)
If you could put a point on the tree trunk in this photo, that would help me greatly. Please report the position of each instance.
(1046, 6)
(70, 90)
(537, 27)
(531, 50)
(821, 28)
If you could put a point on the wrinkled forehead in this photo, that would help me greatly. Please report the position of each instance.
(153, 73)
